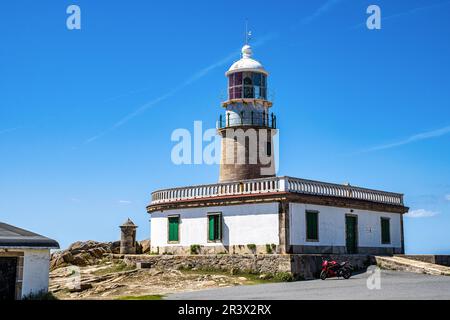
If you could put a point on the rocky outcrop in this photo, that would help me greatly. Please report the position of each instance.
(81, 253)
(84, 253)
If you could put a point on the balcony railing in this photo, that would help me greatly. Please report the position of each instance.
(274, 185)
(260, 120)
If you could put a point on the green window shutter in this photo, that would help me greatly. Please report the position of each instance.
(385, 231)
(173, 228)
(218, 223)
(215, 227)
(211, 228)
(312, 232)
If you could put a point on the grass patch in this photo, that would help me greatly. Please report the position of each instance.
(146, 297)
(195, 249)
(116, 267)
(40, 296)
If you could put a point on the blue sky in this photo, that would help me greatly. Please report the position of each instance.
(86, 116)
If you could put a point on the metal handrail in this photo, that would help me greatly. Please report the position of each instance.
(255, 120)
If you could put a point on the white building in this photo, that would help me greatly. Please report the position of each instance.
(252, 210)
(24, 262)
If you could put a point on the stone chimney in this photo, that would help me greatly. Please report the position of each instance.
(128, 237)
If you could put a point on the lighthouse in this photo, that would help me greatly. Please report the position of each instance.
(252, 210)
(247, 126)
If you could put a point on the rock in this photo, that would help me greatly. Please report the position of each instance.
(115, 247)
(57, 262)
(81, 287)
(155, 272)
(97, 252)
(66, 256)
(177, 272)
(264, 276)
(145, 244)
(242, 279)
(80, 260)
(82, 253)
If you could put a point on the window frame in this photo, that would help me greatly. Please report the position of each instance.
(168, 228)
(237, 89)
(220, 238)
(389, 230)
(316, 212)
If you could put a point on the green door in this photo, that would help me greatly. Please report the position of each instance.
(351, 229)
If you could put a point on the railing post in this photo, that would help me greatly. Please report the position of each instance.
(284, 184)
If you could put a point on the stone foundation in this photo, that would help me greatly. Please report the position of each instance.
(300, 266)
(217, 249)
(294, 249)
(311, 249)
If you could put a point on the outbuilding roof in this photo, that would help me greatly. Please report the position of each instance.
(14, 237)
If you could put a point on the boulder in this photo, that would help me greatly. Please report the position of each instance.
(145, 244)
(81, 259)
(66, 256)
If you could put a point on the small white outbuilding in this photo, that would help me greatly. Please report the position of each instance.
(24, 262)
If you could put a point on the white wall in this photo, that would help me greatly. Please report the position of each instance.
(35, 271)
(332, 226)
(242, 224)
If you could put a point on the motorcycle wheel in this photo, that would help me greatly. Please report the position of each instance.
(323, 275)
(347, 274)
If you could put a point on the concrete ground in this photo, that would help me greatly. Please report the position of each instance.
(393, 285)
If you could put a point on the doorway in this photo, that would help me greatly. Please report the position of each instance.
(351, 233)
(8, 268)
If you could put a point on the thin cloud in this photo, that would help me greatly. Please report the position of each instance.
(414, 10)
(414, 138)
(447, 197)
(124, 202)
(195, 77)
(8, 130)
(320, 11)
(420, 213)
(404, 13)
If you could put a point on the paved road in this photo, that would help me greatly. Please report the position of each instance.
(394, 285)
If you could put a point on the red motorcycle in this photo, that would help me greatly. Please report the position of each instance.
(331, 268)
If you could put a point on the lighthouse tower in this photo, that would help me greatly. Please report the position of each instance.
(247, 127)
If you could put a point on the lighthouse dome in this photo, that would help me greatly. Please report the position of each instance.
(246, 63)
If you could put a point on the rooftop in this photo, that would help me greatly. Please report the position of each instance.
(14, 237)
(246, 63)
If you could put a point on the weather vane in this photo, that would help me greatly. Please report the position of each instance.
(248, 34)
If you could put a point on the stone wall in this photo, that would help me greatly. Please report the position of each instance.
(301, 267)
(400, 263)
(251, 263)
